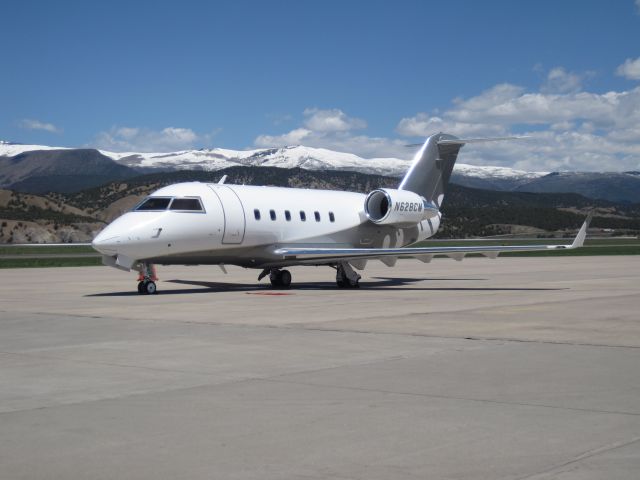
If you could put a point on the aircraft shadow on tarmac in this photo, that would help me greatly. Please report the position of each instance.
(383, 283)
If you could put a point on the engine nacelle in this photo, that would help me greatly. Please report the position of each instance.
(387, 206)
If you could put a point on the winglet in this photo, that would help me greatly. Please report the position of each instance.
(582, 234)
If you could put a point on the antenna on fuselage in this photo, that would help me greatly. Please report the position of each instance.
(222, 180)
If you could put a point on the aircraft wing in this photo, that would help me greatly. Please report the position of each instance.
(317, 255)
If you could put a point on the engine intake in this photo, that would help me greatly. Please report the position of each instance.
(386, 206)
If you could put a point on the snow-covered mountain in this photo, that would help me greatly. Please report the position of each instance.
(37, 168)
(286, 157)
(9, 149)
(308, 158)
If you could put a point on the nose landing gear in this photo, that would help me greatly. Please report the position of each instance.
(147, 279)
(147, 287)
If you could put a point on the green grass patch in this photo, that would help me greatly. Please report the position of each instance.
(593, 246)
(600, 242)
(50, 262)
(42, 249)
(580, 252)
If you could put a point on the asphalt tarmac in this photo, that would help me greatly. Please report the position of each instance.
(515, 368)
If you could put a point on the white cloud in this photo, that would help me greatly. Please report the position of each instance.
(133, 139)
(549, 150)
(333, 120)
(604, 110)
(638, 6)
(567, 125)
(365, 146)
(31, 124)
(422, 125)
(569, 129)
(297, 136)
(561, 81)
(630, 68)
(333, 129)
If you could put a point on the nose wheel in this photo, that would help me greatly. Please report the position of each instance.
(146, 280)
(147, 287)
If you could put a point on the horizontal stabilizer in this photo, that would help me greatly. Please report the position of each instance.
(462, 141)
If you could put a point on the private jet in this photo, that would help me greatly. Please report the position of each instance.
(273, 228)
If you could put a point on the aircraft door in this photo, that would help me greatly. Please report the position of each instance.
(234, 218)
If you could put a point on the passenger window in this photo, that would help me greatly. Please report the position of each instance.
(273, 214)
(317, 215)
(186, 204)
(287, 215)
(303, 216)
(256, 213)
(332, 218)
(154, 203)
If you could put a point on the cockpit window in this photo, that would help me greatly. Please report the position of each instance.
(154, 203)
(186, 204)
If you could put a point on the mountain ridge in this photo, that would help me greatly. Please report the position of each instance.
(614, 186)
(468, 212)
(309, 158)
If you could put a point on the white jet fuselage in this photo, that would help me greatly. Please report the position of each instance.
(244, 225)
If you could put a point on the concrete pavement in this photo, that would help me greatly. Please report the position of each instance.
(513, 368)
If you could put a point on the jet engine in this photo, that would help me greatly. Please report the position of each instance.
(386, 206)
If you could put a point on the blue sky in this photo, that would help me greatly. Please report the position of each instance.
(363, 77)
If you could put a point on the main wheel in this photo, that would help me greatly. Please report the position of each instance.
(285, 279)
(150, 288)
(342, 281)
(141, 288)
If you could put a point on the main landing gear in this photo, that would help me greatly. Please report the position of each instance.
(147, 280)
(346, 277)
(280, 278)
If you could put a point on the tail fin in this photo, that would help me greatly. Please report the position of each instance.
(432, 166)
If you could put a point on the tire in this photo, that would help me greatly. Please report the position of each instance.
(150, 288)
(285, 278)
(343, 282)
(141, 288)
(274, 277)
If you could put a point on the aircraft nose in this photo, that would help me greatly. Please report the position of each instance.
(106, 242)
